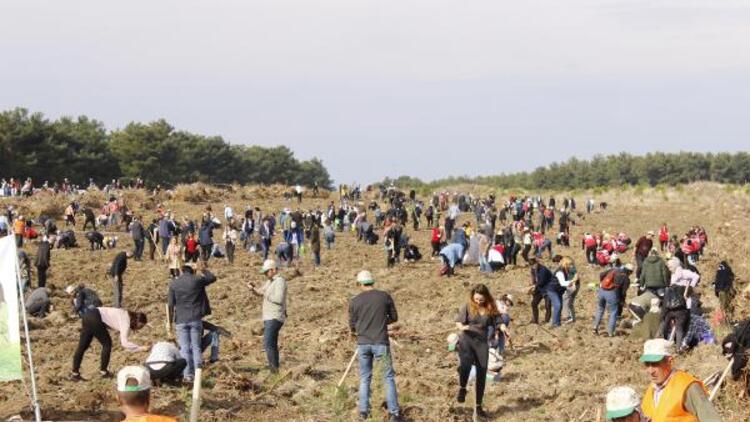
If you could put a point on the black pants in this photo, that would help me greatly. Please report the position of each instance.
(191, 256)
(171, 372)
(230, 252)
(117, 291)
(680, 317)
(525, 253)
(473, 350)
(514, 254)
(206, 252)
(138, 252)
(535, 301)
(70, 220)
(93, 327)
(87, 222)
(42, 273)
(435, 248)
(591, 255)
(449, 222)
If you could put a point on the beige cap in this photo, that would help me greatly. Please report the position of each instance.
(268, 264)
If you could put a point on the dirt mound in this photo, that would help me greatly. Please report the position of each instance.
(43, 204)
(196, 193)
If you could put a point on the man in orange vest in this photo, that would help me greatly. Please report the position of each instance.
(673, 395)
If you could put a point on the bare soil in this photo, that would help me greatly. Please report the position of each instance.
(551, 374)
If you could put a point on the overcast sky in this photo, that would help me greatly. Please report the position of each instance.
(378, 88)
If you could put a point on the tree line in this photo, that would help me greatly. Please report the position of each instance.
(610, 171)
(81, 148)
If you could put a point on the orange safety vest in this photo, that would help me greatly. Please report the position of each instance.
(19, 227)
(671, 407)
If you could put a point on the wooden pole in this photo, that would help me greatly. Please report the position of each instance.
(721, 380)
(168, 320)
(348, 368)
(196, 406)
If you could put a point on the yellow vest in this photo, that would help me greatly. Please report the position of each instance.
(671, 406)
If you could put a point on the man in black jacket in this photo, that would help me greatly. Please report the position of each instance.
(188, 304)
(139, 236)
(119, 265)
(90, 218)
(42, 261)
(96, 240)
(540, 277)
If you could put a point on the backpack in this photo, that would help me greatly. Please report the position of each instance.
(608, 282)
(673, 299)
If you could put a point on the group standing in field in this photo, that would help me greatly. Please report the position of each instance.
(465, 232)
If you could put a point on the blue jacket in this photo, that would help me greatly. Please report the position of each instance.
(454, 253)
(166, 228)
(206, 234)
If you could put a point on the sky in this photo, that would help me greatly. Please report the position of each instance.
(375, 88)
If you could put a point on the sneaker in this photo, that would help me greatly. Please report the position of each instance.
(363, 416)
(105, 374)
(595, 331)
(569, 321)
(75, 376)
(461, 397)
(395, 418)
(478, 411)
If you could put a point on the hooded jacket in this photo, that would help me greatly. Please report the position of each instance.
(654, 273)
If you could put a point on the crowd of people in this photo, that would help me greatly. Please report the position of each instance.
(665, 312)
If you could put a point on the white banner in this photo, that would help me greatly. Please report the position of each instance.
(10, 339)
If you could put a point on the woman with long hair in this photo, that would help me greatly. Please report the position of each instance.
(567, 276)
(475, 320)
(174, 257)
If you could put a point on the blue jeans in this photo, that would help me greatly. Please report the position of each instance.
(271, 330)
(505, 319)
(484, 265)
(165, 244)
(556, 302)
(316, 256)
(610, 299)
(211, 339)
(265, 244)
(366, 354)
(189, 337)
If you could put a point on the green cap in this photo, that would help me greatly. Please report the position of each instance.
(620, 413)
